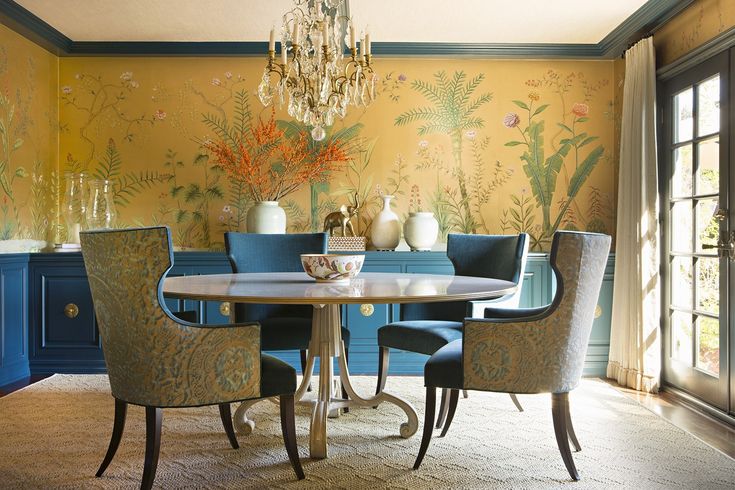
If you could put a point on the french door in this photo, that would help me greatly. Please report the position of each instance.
(697, 185)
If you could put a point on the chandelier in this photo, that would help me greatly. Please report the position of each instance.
(313, 72)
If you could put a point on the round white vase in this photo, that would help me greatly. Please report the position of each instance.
(266, 217)
(386, 230)
(420, 230)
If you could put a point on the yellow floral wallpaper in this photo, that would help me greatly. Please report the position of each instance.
(489, 146)
(695, 25)
(28, 142)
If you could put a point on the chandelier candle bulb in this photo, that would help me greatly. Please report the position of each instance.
(284, 54)
(325, 33)
(296, 31)
(272, 40)
(352, 38)
(367, 43)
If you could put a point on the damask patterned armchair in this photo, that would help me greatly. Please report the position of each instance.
(158, 361)
(539, 350)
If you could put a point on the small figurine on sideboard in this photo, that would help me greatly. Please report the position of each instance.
(341, 219)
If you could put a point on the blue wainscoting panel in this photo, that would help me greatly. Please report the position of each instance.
(13, 317)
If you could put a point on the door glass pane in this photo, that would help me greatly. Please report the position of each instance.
(681, 337)
(708, 344)
(681, 182)
(682, 272)
(708, 97)
(708, 227)
(683, 120)
(708, 285)
(681, 226)
(708, 166)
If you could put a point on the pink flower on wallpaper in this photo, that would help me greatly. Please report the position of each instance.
(216, 82)
(66, 89)
(126, 76)
(402, 77)
(580, 110)
(228, 75)
(227, 209)
(423, 144)
(160, 114)
(471, 134)
(511, 120)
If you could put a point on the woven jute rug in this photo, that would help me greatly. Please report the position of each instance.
(54, 433)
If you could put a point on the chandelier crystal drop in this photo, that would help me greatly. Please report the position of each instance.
(313, 78)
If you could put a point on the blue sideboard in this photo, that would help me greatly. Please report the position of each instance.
(48, 325)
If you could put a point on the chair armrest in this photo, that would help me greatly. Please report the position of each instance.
(517, 314)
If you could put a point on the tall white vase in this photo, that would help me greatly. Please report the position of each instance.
(266, 217)
(386, 230)
(420, 230)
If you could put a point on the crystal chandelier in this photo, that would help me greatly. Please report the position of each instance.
(313, 72)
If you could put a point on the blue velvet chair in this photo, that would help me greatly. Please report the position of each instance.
(158, 361)
(283, 327)
(427, 327)
(534, 350)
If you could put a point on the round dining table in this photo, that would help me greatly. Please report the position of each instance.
(326, 338)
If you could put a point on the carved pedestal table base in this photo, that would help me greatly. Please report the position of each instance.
(326, 343)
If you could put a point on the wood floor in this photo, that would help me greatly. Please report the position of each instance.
(717, 434)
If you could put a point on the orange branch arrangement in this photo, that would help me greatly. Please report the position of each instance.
(271, 165)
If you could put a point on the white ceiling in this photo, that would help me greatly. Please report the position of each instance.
(465, 21)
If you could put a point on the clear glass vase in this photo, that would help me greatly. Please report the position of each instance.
(101, 211)
(75, 205)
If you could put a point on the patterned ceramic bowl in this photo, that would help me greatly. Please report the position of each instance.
(332, 267)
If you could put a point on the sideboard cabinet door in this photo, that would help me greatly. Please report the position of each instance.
(64, 336)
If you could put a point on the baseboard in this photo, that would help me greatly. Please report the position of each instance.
(698, 405)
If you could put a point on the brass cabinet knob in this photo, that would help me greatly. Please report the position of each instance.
(224, 308)
(71, 310)
(598, 311)
(367, 309)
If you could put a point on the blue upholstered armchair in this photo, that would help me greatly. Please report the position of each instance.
(427, 327)
(283, 327)
(539, 350)
(158, 361)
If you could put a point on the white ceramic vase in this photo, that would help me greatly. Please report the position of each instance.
(420, 230)
(266, 217)
(386, 230)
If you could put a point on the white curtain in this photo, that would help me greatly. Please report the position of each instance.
(635, 346)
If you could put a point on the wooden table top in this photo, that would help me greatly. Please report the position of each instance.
(368, 287)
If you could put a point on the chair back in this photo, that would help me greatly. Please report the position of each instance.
(153, 359)
(253, 252)
(545, 353)
(494, 256)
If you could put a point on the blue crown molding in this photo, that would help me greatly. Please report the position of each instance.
(642, 22)
(33, 28)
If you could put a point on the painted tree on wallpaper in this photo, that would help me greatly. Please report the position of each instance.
(543, 171)
(454, 114)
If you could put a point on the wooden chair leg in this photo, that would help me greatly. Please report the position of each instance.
(465, 394)
(453, 399)
(570, 430)
(153, 419)
(226, 416)
(383, 360)
(303, 366)
(559, 407)
(516, 402)
(288, 428)
(121, 410)
(344, 392)
(443, 408)
(430, 408)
